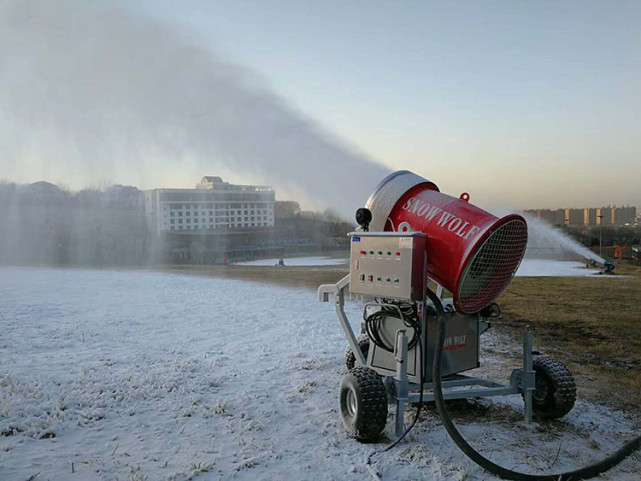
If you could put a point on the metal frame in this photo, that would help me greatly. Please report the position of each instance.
(522, 381)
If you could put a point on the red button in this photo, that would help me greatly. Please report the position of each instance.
(398, 253)
(362, 253)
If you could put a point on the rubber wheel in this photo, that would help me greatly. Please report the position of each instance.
(350, 357)
(363, 404)
(555, 391)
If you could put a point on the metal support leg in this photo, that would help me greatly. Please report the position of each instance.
(339, 304)
(401, 382)
(528, 377)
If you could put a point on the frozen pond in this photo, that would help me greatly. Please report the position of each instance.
(553, 268)
(136, 375)
(297, 261)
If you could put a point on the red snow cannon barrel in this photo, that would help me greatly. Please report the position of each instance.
(470, 252)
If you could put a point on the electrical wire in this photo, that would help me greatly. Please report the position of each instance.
(583, 473)
(504, 473)
(423, 357)
(368, 460)
(409, 316)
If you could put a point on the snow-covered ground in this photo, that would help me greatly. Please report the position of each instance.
(297, 261)
(138, 375)
(553, 268)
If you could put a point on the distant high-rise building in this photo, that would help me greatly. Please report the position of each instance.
(554, 217)
(214, 206)
(589, 216)
(574, 216)
(604, 216)
(610, 215)
(625, 215)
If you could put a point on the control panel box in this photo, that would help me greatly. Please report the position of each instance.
(388, 264)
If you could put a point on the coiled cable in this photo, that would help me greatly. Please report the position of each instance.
(583, 473)
(409, 316)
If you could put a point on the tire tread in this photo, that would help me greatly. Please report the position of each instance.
(350, 357)
(564, 388)
(373, 416)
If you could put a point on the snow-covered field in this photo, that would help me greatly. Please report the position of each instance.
(135, 375)
(297, 261)
(553, 268)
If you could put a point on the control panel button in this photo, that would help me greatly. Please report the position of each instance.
(362, 277)
(370, 278)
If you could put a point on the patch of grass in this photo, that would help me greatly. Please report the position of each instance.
(593, 324)
(296, 276)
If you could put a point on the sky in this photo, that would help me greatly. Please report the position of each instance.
(521, 104)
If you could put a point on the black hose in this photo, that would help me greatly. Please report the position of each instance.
(583, 473)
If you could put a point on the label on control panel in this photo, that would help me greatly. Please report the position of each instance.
(405, 243)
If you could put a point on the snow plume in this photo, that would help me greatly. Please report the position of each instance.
(545, 239)
(91, 92)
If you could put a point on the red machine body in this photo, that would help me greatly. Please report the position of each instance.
(471, 253)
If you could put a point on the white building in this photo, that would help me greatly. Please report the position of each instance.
(214, 206)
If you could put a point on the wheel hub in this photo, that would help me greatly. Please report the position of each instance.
(541, 389)
(351, 403)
